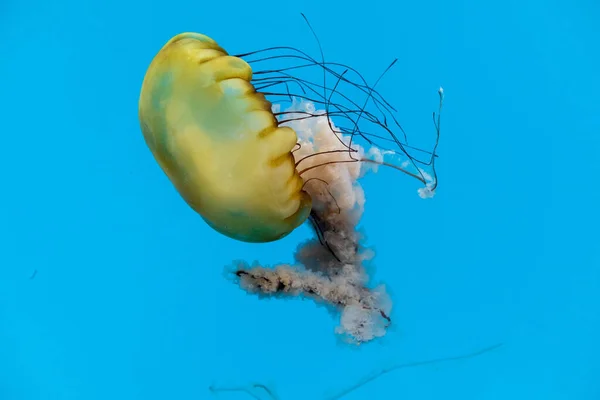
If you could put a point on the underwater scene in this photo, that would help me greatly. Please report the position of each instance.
(300, 201)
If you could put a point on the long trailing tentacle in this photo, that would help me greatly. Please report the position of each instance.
(373, 120)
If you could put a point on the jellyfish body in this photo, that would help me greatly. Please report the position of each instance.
(255, 170)
(219, 143)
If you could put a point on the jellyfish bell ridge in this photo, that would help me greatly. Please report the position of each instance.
(219, 143)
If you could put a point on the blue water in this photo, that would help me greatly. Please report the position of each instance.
(112, 288)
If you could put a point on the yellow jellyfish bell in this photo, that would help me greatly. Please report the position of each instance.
(219, 143)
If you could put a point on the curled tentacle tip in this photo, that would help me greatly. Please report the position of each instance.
(426, 192)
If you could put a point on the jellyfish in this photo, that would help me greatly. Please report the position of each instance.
(255, 171)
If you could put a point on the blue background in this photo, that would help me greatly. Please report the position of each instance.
(129, 301)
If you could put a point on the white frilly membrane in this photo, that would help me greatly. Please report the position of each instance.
(330, 268)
